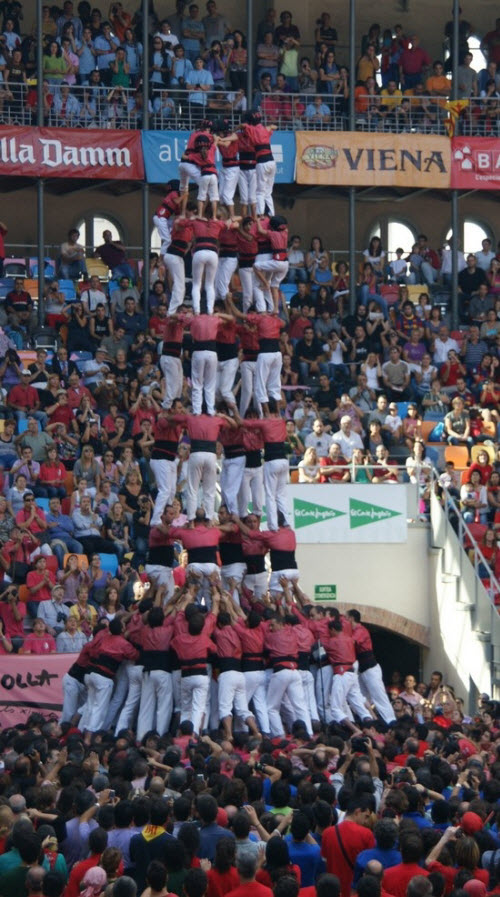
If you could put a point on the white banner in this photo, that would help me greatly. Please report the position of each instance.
(348, 513)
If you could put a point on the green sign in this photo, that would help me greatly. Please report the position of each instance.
(306, 513)
(325, 593)
(361, 513)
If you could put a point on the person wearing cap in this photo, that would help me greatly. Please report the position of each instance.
(53, 611)
(24, 400)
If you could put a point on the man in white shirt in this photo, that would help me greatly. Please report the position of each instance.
(72, 257)
(125, 291)
(318, 439)
(346, 438)
(486, 255)
(94, 296)
(442, 345)
(95, 370)
(53, 612)
(70, 641)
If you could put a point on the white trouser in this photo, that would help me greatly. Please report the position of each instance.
(247, 279)
(256, 583)
(201, 470)
(372, 686)
(268, 376)
(171, 369)
(118, 698)
(188, 172)
(275, 483)
(247, 186)
(208, 187)
(73, 697)
(345, 689)
(129, 710)
(204, 263)
(308, 686)
(175, 265)
(256, 686)
(266, 173)
(236, 572)
(230, 481)
(357, 699)
(324, 678)
(247, 373)
(203, 379)
(99, 693)
(274, 580)
(285, 682)
(225, 270)
(232, 693)
(176, 690)
(164, 226)
(228, 181)
(194, 691)
(307, 713)
(278, 270)
(252, 489)
(165, 474)
(226, 375)
(203, 573)
(163, 576)
(155, 710)
(262, 298)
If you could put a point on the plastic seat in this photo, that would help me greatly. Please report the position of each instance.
(6, 285)
(109, 562)
(402, 409)
(415, 289)
(27, 356)
(83, 561)
(49, 269)
(68, 485)
(66, 505)
(15, 268)
(22, 426)
(459, 454)
(31, 287)
(24, 593)
(288, 290)
(43, 503)
(426, 428)
(97, 267)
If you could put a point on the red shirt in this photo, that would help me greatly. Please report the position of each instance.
(200, 426)
(204, 329)
(228, 642)
(340, 650)
(77, 874)
(45, 593)
(355, 838)
(282, 643)
(206, 233)
(62, 415)
(11, 626)
(396, 878)
(273, 429)
(251, 889)
(33, 644)
(219, 883)
(52, 472)
(268, 326)
(27, 396)
(182, 234)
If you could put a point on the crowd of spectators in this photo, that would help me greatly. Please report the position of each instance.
(92, 69)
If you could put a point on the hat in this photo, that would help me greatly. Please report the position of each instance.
(471, 823)
(25, 372)
(100, 349)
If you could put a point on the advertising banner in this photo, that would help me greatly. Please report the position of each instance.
(335, 158)
(163, 151)
(31, 683)
(348, 513)
(475, 163)
(71, 153)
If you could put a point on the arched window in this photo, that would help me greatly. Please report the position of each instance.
(472, 233)
(91, 228)
(394, 234)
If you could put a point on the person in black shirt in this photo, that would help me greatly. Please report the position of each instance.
(310, 355)
(471, 278)
(350, 322)
(325, 399)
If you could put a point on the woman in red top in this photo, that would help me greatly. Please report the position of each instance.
(223, 877)
(482, 465)
(489, 551)
(52, 476)
(277, 863)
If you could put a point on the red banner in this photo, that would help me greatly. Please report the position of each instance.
(31, 683)
(475, 163)
(71, 153)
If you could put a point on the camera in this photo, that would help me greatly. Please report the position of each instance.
(358, 745)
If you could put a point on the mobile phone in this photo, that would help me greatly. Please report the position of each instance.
(112, 793)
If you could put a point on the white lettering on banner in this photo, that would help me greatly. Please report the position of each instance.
(315, 513)
(277, 152)
(350, 513)
(55, 154)
(10, 153)
(165, 153)
(372, 514)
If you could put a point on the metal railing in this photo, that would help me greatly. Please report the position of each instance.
(172, 108)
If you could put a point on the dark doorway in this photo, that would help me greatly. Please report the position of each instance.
(395, 652)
